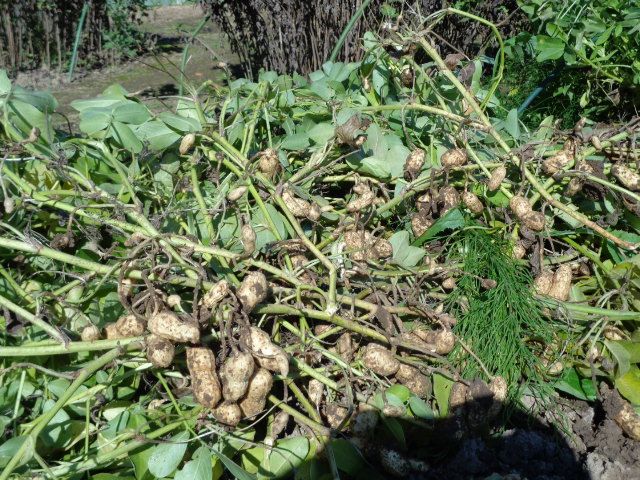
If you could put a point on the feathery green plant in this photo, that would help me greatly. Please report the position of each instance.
(500, 323)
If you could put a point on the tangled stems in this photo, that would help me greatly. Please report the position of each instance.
(329, 265)
(22, 454)
(137, 441)
(531, 178)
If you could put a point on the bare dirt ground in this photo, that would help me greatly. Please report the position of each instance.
(153, 75)
(573, 440)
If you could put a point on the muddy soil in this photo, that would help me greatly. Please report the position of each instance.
(591, 446)
(154, 75)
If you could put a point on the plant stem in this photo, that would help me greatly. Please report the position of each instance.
(427, 109)
(351, 325)
(431, 51)
(40, 423)
(185, 51)
(76, 43)
(52, 331)
(71, 347)
(579, 308)
(304, 401)
(315, 426)
(103, 458)
(332, 304)
(343, 36)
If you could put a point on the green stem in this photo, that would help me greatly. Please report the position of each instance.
(593, 257)
(94, 266)
(496, 33)
(31, 318)
(317, 427)
(332, 304)
(352, 23)
(185, 51)
(531, 178)
(195, 184)
(304, 401)
(39, 424)
(76, 43)
(103, 458)
(603, 312)
(427, 109)
(37, 350)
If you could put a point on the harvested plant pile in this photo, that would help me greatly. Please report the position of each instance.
(286, 272)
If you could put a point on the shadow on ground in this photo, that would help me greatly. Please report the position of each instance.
(572, 440)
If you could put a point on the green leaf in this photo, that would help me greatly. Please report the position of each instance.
(629, 385)
(633, 349)
(396, 156)
(420, 408)
(157, 134)
(548, 48)
(233, 467)
(95, 120)
(167, 456)
(322, 89)
(59, 386)
(252, 458)
(621, 355)
(348, 458)
(180, 123)
(285, 457)
(198, 468)
(4, 421)
(395, 427)
(9, 448)
(441, 390)
(404, 254)
(400, 391)
(125, 137)
(264, 235)
(338, 71)
(571, 383)
(131, 112)
(25, 116)
(99, 102)
(5, 83)
(140, 461)
(380, 79)
(512, 124)
(43, 101)
(452, 220)
(374, 166)
(297, 141)
(56, 430)
(321, 133)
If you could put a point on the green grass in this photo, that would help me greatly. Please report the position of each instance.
(502, 325)
(557, 98)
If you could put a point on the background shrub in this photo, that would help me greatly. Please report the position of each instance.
(40, 33)
(298, 35)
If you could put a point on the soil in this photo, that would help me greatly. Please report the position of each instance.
(153, 76)
(594, 447)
